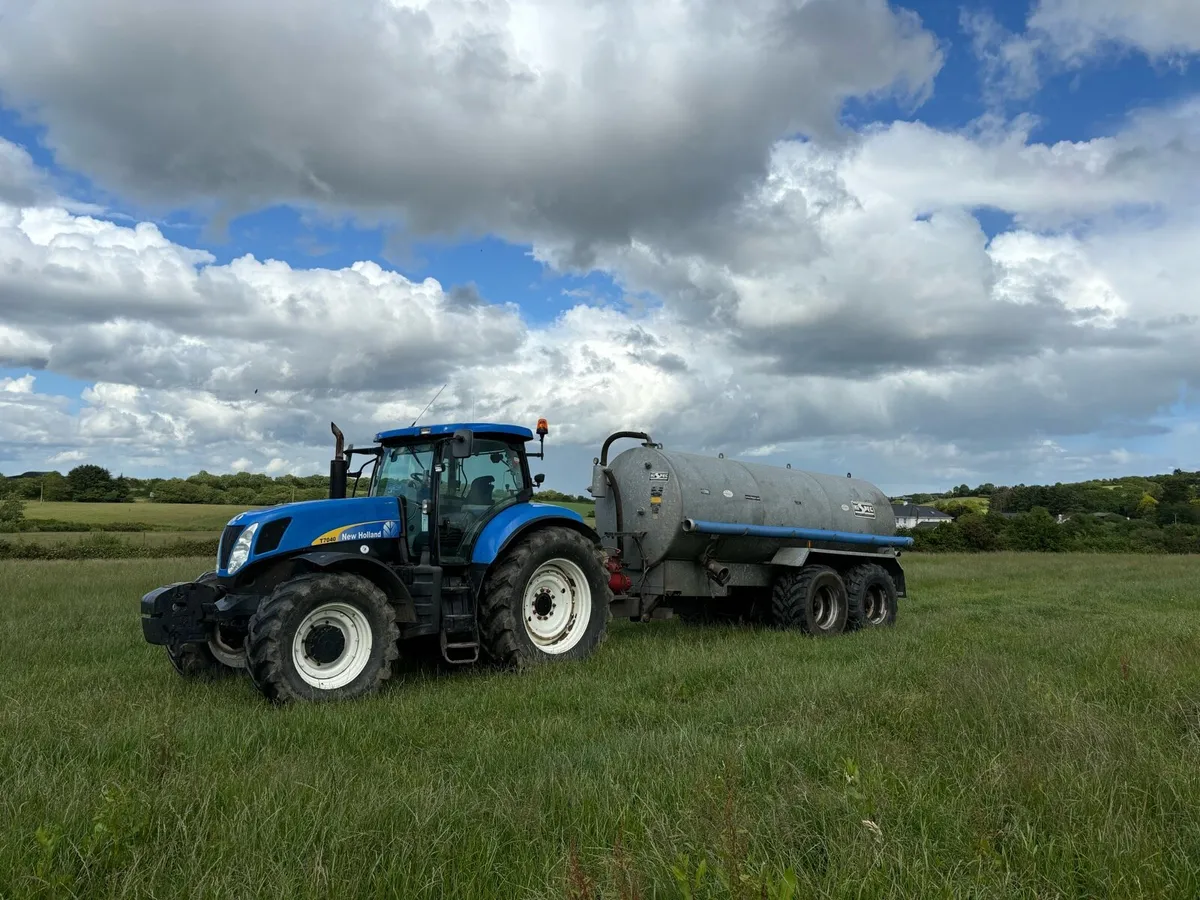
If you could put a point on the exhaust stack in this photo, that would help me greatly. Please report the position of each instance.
(338, 466)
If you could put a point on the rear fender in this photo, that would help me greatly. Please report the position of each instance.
(512, 522)
(265, 578)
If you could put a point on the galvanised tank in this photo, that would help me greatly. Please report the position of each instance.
(659, 490)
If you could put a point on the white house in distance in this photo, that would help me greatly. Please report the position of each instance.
(910, 515)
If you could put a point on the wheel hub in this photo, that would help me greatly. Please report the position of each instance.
(324, 643)
(876, 605)
(824, 608)
(332, 645)
(543, 604)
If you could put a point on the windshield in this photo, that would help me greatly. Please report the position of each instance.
(404, 472)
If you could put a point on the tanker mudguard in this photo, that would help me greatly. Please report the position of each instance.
(510, 522)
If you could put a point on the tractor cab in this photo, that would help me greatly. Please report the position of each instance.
(451, 480)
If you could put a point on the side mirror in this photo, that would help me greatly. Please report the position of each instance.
(462, 445)
(538, 479)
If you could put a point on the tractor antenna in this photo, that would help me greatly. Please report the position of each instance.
(427, 405)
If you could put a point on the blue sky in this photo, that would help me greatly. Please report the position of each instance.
(681, 270)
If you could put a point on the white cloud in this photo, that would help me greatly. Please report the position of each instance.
(1078, 29)
(68, 457)
(849, 305)
(22, 385)
(525, 117)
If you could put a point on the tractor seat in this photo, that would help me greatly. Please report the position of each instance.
(480, 493)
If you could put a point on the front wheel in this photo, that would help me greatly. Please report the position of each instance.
(327, 636)
(547, 598)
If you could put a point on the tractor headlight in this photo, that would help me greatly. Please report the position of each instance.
(241, 549)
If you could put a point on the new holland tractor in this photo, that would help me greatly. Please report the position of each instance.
(316, 600)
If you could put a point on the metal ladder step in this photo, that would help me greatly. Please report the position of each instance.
(459, 652)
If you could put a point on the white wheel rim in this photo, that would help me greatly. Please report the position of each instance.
(319, 659)
(557, 606)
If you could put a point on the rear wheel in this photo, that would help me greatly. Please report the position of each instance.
(872, 594)
(814, 600)
(327, 636)
(547, 598)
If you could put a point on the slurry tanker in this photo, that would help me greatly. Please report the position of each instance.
(447, 548)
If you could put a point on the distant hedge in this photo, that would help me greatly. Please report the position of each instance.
(39, 526)
(102, 546)
(1040, 532)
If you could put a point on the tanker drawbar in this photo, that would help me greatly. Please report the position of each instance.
(718, 538)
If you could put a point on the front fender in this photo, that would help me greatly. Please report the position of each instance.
(514, 520)
(271, 572)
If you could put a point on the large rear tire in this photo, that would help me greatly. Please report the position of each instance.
(813, 600)
(326, 636)
(872, 594)
(546, 599)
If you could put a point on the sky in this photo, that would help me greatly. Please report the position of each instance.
(925, 243)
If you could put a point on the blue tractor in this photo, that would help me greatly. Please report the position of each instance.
(315, 599)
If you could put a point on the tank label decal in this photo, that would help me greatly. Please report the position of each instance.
(728, 494)
(660, 476)
(754, 497)
(864, 510)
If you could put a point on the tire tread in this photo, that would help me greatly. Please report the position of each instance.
(265, 651)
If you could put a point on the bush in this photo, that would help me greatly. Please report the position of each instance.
(1039, 532)
(102, 546)
(12, 511)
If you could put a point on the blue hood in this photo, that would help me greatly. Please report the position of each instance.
(315, 523)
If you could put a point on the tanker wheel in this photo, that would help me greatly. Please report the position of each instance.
(547, 598)
(872, 594)
(813, 600)
(323, 636)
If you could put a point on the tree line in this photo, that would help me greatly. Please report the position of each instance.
(95, 484)
(1159, 499)
(1155, 514)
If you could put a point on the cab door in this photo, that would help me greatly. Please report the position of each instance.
(473, 488)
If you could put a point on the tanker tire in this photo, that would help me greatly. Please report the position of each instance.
(794, 595)
(273, 628)
(872, 595)
(506, 640)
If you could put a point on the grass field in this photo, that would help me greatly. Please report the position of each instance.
(159, 516)
(1031, 728)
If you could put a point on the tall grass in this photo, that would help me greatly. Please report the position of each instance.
(1031, 728)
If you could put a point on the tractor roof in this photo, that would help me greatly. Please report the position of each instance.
(450, 428)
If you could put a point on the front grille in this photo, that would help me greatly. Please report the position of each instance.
(228, 538)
